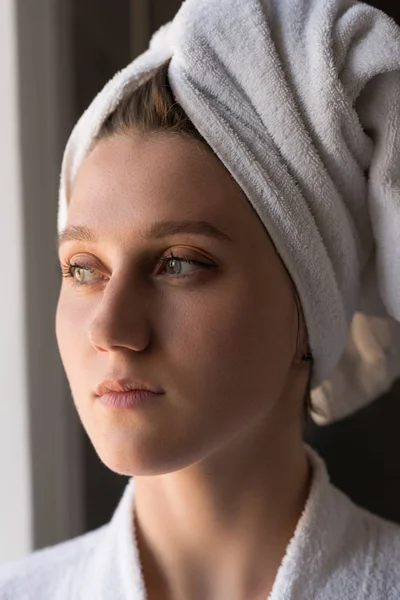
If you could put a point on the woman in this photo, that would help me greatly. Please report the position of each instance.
(227, 238)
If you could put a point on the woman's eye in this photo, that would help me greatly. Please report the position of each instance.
(177, 265)
(174, 266)
(80, 274)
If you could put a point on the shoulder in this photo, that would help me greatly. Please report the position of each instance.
(48, 573)
(384, 560)
(372, 549)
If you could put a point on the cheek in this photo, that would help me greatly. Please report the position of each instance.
(71, 334)
(232, 345)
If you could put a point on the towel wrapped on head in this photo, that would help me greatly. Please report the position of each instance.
(300, 99)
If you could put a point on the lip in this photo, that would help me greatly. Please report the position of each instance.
(125, 385)
(127, 400)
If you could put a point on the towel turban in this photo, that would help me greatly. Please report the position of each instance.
(300, 100)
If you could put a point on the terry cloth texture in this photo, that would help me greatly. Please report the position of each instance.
(338, 551)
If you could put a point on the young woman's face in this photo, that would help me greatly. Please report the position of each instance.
(218, 335)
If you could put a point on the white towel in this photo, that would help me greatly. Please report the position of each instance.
(300, 99)
(338, 552)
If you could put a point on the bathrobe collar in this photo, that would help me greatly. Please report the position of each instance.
(114, 571)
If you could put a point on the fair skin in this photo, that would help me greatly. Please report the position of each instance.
(221, 473)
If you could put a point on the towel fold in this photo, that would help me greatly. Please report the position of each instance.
(300, 99)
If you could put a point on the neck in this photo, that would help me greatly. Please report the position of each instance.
(220, 527)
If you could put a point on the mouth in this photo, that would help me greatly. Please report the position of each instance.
(129, 399)
(126, 386)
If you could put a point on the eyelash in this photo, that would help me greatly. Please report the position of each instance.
(67, 267)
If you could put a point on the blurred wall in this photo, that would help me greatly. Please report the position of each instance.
(40, 459)
(16, 522)
(390, 7)
(45, 118)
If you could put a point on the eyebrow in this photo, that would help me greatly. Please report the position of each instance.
(156, 230)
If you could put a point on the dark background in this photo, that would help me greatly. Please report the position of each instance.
(362, 452)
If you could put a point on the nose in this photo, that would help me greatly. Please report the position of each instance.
(120, 319)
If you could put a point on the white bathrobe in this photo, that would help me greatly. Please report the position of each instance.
(338, 552)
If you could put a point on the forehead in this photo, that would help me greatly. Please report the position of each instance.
(152, 177)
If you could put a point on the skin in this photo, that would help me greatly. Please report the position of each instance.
(220, 468)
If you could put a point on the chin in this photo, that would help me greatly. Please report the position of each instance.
(144, 459)
(127, 459)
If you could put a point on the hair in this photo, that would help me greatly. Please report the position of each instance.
(150, 108)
